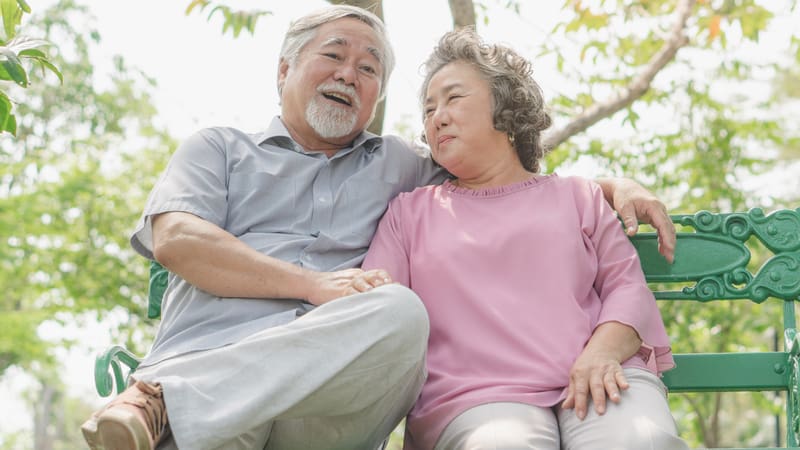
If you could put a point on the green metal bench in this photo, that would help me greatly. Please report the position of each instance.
(711, 264)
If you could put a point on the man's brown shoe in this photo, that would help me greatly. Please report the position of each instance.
(135, 420)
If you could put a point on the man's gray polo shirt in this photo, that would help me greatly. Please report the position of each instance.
(298, 206)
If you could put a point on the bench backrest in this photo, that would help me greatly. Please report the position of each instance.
(713, 262)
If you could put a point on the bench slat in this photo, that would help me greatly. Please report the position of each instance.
(720, 372)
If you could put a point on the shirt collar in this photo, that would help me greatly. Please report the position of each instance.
(277, 134)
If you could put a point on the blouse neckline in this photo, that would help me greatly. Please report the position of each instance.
(495, 191)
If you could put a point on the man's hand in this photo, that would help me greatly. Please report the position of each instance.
(332, 285)
(635, 204)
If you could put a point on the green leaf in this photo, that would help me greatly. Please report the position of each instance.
(12, 15)
(10, 125)
(201, 3)
(21, 43)
(24, 6)
(7, 120)
(32, 53)
(48, 65)
(11, 68)
(5, 107)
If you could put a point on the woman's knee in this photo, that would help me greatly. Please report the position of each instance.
(641, 420)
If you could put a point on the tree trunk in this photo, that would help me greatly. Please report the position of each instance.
(376, 7)
(42, 440)
(463, 12)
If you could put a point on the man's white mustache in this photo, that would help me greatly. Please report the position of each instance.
(341, 88)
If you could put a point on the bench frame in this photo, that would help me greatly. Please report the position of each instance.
(711, 264)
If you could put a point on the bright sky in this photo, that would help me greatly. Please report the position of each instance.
(207, 79)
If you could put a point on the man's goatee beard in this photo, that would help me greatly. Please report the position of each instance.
(330, 121)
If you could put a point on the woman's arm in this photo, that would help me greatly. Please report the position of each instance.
(628, 316)
(597, 371)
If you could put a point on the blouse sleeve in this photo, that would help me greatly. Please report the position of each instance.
(388, 249)
(620, 282)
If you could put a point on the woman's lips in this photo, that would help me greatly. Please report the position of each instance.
(445, 139)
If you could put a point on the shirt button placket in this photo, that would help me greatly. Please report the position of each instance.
(323, 199)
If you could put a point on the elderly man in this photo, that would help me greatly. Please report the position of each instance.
(268, 338)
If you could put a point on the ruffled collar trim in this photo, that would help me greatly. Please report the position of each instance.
(498, 191)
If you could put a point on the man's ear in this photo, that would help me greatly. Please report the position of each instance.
(283, 70)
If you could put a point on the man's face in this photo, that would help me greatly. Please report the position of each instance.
(329, 93)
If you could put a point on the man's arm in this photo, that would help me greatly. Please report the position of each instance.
(632, 202)
(597, 371)
(214, 260)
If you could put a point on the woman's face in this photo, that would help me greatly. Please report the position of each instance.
(458, 121)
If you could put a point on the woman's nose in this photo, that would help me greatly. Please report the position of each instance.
(440, 118)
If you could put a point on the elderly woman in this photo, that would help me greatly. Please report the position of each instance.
(519, 302)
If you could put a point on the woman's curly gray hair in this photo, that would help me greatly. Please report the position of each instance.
(518, 106)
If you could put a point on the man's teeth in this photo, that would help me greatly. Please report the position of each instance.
(337, 98)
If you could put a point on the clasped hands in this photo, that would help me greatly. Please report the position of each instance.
(332, 285)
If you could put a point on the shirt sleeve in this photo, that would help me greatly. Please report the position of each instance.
(620, 282)
(388, 250)
(195, 181)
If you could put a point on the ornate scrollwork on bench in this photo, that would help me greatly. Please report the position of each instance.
(724, 238)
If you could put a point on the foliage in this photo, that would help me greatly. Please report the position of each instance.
(235, 21)
(72, 184)
(13, 50)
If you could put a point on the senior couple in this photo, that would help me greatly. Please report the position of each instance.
(497, 307)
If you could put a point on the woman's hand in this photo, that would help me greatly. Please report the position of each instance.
(598, 374)
(597, 371)
(370, 279)
(332, 285)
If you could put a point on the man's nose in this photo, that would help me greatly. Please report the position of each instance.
(346, 73)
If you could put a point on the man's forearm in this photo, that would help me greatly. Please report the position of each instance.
(607, 185)
(216, 261)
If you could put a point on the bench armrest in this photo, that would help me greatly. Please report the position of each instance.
(113, 359)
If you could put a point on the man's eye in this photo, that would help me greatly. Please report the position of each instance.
(369, 69)
(331, 56)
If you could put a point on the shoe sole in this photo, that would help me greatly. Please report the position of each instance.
(115, 429)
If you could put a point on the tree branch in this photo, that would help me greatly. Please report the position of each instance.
(463, 12)
(635, 89)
